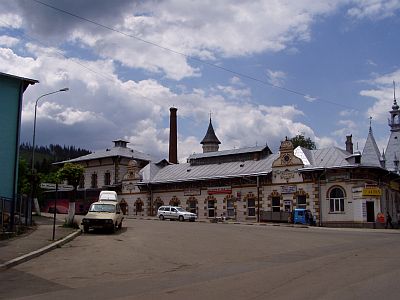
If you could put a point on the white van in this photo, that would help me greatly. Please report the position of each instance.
(108, 196)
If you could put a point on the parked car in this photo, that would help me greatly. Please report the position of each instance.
(103, 215)
(175, 213)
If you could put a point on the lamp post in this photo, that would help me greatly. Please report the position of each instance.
(34, 125)
(33, 141)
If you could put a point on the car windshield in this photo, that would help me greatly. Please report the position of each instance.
(180, 209)
(102, 208)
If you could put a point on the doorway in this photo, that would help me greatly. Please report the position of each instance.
(370, 211)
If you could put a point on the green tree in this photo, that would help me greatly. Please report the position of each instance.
(302, 141)
(72, 173)
(24, 186)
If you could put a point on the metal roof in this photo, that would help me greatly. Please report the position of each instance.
(187, 172)
(112, 152)
(371, 155)
(227, 152)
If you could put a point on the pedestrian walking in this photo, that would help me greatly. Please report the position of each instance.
(388, 221)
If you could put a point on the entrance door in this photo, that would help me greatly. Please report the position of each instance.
(370, 211)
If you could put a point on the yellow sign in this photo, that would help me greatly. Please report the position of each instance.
(394, 185)
(372, 191)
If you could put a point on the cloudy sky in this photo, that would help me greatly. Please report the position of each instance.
(264, 69)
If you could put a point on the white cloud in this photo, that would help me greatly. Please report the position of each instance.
(374, 9)
(382, 93)
(276, 77)
(8, 41)
(10, 20)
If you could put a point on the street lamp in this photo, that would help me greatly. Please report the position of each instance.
(34, 125)
(33, 141)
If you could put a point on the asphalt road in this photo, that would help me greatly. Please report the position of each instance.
(170, 260)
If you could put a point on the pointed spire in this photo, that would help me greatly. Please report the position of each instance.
(210, 141)
(371, 154)
(395, 105)
(370, 126)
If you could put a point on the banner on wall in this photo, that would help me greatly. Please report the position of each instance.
(192, 192)
(219, 190)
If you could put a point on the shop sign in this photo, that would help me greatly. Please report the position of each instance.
(219, 190)
(357, 189)
(288, 189)
(192, 192)
(371, 191)
(394, 186)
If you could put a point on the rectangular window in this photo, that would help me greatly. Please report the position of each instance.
(192, 207)
(93, 183)
(276, 204)
(107, 178)
(337, 205)
(230, 208)
(301, 202)
(251, 207)
(211, 209)
(82, 182)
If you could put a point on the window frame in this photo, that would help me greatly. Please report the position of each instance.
(336, 204)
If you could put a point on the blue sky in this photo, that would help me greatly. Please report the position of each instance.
(342, 54)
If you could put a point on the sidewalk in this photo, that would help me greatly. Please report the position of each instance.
(35, 242)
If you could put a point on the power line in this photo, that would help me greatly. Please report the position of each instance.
(242, 75)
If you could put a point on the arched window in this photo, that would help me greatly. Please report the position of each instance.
(336, 199)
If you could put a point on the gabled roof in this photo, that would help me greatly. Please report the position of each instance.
(210, 137)
(371, 155)
(331, 157)
(187, 172)
(112, 152)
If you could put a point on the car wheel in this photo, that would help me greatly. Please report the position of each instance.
(85, 229)
(161, 217)
(120, 225)
(181, 219)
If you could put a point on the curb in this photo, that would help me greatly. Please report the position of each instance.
(43, 250)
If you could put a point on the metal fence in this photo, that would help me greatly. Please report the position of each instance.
(22, 212)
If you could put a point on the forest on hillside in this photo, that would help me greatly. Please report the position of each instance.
(45, 156)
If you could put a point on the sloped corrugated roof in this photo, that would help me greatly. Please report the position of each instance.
(187, 172)
(112, 152)
(227, 152)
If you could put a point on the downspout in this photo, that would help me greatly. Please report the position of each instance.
(320, 197)
(151, 199)
(258, 199)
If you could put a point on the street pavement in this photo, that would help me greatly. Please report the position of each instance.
(36, 241)
(151, 259)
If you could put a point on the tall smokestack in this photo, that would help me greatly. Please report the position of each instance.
(173, 137)
(349, 143)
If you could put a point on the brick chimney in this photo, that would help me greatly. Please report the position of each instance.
(349, 143)
(173, 137)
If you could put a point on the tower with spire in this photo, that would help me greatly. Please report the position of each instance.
(210, 142)
(393, 147)
(370, 153)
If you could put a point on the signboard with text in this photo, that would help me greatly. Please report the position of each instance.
(219, 190)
